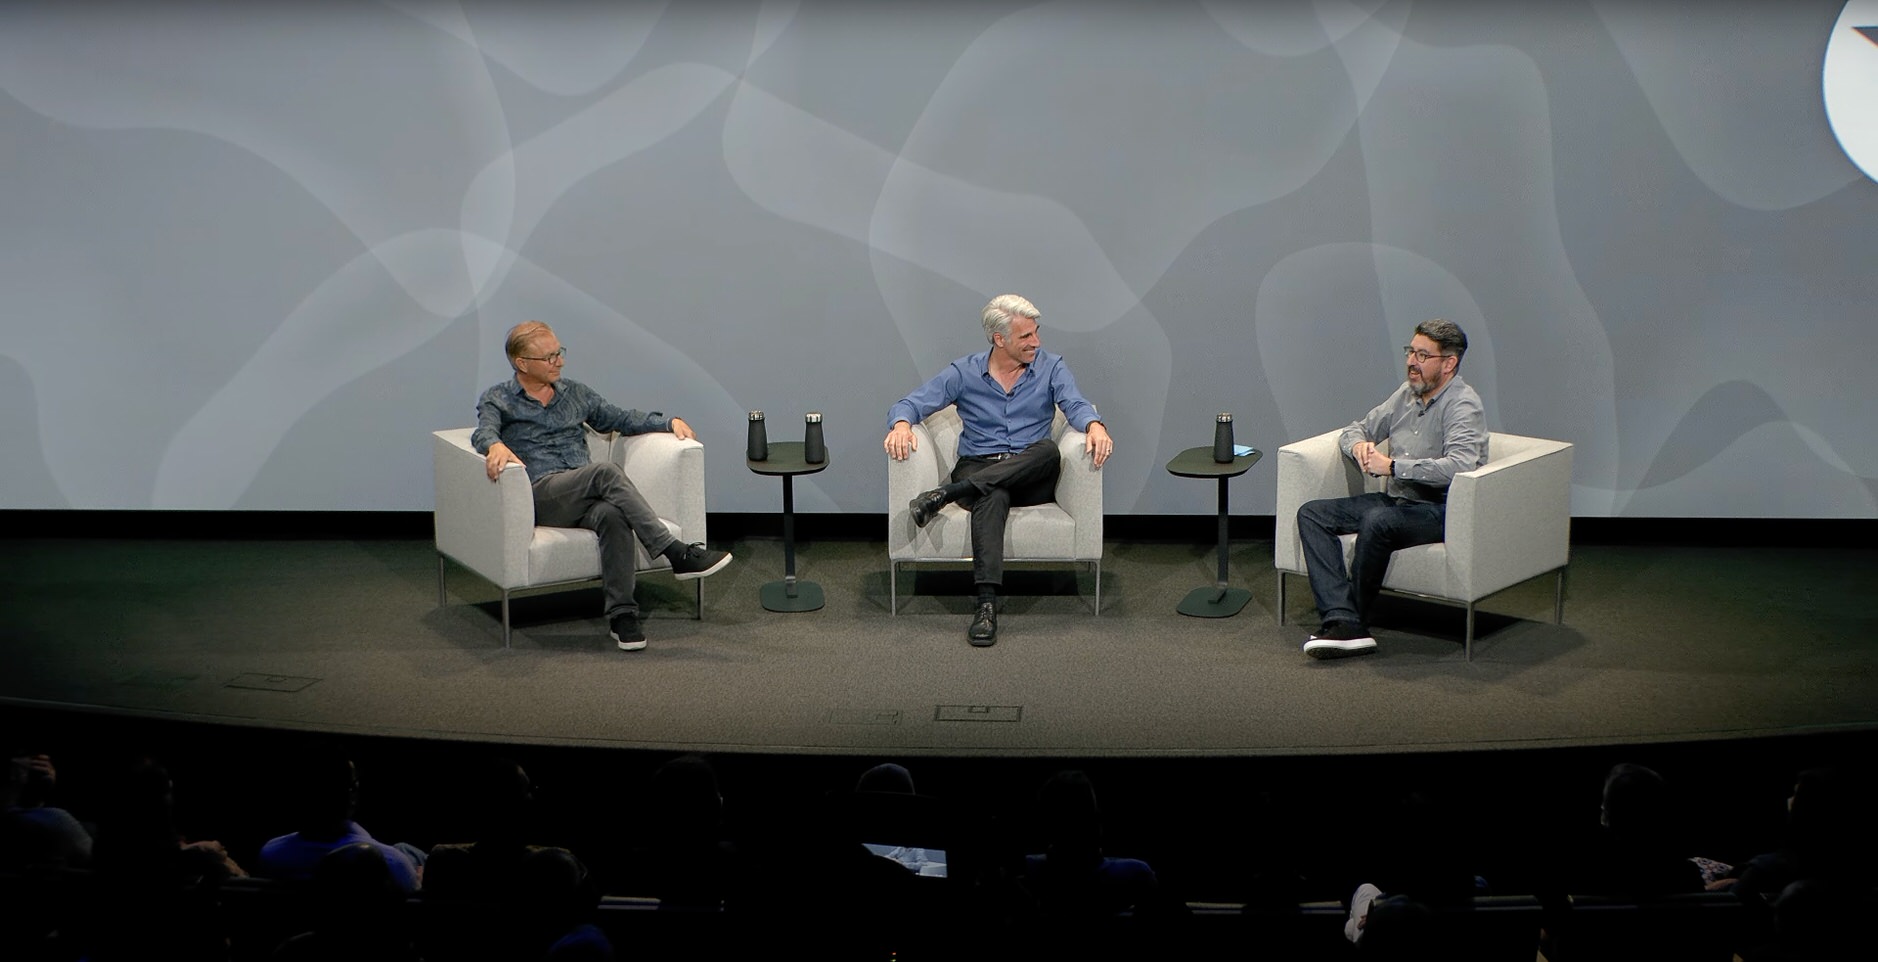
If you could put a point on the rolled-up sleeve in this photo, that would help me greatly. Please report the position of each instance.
(942, 390)
(1076, 409)
(488, 421)
(1372, 427)
(604, 416)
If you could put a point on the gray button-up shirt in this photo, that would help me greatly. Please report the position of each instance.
(548, 438)
(1430, 442)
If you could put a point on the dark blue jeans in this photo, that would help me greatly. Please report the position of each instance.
(1381, 524)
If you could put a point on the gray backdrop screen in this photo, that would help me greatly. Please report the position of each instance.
(254, 253)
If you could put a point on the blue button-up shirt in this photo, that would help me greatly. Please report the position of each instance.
(548, 437)
(997, 422)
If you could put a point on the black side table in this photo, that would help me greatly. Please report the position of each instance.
(785, 462)
(1218, 601)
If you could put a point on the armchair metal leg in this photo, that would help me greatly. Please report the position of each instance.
(893, 587)
(1468, 645)
(505, 617)
(1558, 599)
(441, 600)
(1281, 596)
(697, 599)
(1098, 581)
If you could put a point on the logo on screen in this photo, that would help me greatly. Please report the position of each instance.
(1849, 82)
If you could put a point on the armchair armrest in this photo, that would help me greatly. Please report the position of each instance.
(485, 526)
(1079, 492)
(670, 473)
(922, 470)
(1510, 519)
(1308, 470)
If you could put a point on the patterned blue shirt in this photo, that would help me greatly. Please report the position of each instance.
(997, 422)
(548, 438)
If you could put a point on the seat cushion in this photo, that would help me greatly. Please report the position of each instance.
(1422, 569)
(557, 555)
(1043, 532)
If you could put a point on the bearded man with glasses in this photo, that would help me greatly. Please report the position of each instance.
(534, 420)
(1436, 429)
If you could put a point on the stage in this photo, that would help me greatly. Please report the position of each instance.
(1660, 643)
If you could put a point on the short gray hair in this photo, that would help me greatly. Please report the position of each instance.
(1447, 334)
(1004, 309)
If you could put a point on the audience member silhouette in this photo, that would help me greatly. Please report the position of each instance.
(1636, 853)
(685, 859)
(1420, 860)
(1818, 920)
(560, 903)
(155, 890)
(35, 834)
(1829, 836)
(500, 799)
(479, 885)
(357, 903)
(1072, 876)
(324, 793)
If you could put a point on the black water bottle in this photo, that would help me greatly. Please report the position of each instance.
(1222, 438)
(814, 449)
(758, 449)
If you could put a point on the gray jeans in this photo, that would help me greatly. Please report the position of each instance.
(600, 498)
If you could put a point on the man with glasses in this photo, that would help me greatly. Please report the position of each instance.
(1436, 429)
(534, 419)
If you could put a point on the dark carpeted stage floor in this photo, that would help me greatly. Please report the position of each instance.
(1660, 643)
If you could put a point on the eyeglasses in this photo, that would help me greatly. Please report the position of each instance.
(1420, 357)
(560, 354)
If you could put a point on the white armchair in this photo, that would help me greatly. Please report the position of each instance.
(1508, 521)
(489, 527)
(1070, 529)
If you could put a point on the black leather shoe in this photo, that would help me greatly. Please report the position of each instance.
(927, 505)
(984, 630)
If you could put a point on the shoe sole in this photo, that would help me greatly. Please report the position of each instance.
(639, 645)
(1327, 648)
(714, 569)
(982, 642)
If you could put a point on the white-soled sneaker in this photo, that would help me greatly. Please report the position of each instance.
(1339, 639)
(697, 561)
(626, 633)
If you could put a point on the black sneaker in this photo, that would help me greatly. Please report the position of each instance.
(1339, 639)
(625, 631)
(697, 561)
(984, 630)
(927, 505)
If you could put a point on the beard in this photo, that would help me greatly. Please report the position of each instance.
(1419, 384)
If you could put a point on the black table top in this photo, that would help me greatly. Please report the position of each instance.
(1199, 463)
(785, 459)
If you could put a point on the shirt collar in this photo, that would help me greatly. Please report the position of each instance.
(984, 368)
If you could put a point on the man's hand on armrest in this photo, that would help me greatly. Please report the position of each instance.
(1096, 442)
(682, 430)
(900, 441)
(499, 457)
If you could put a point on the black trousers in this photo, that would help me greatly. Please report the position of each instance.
(1026, 478)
